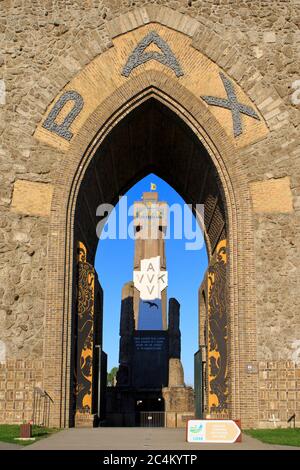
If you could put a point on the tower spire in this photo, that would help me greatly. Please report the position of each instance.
(150, 275)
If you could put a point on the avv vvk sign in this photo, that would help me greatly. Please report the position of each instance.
(212, 431)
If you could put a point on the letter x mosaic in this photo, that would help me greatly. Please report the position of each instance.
(232, 104)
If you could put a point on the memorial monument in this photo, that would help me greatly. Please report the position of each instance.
(150, 377)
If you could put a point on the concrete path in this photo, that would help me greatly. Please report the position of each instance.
(7, 446)
(137, 439)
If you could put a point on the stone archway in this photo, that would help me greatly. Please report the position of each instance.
(152, 138)
(82, 127)
(63, 356)
(67, 83)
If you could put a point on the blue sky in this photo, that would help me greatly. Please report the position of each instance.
(114, 265)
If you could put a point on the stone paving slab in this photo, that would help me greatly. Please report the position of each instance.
(138, 439)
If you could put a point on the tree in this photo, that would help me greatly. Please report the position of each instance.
(112, 377)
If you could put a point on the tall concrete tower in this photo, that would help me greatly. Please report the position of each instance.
(150, 376)
(150, 272)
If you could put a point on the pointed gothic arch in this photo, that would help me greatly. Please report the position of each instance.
(105, 107)
(61, 243)
(65, 107)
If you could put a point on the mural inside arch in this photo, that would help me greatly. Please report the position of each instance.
(84, 331)
(217, 338)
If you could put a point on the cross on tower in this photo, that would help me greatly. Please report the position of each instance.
(150, 281)
(233, 105)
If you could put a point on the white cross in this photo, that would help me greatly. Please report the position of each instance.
(274, 420)
(150, 281)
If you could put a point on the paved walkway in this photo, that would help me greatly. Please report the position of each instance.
(137, 439)
(7, 446)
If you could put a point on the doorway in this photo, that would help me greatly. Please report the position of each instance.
(152, 138)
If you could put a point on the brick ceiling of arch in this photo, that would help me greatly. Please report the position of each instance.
(169, 149)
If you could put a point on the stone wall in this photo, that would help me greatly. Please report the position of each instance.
(46, 44)
(35, 37)
(22, 284)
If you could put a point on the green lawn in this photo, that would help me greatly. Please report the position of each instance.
(284, 437)
(9, 431)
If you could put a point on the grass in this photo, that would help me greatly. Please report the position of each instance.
(284, 437)
(8, 432)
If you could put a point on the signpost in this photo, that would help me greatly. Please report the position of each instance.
(212, 431)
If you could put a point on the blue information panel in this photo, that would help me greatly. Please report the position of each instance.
(150, 343)
(150, 359)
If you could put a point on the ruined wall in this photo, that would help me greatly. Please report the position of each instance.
(44, 44)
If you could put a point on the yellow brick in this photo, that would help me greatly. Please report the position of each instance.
(272, 196)
(32, 198)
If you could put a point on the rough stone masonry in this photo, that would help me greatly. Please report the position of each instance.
(44, 46)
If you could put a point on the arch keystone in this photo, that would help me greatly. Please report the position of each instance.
(139, 55)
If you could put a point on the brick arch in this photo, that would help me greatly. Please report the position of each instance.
(191, 110)
(152, 122)
(227, 56)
